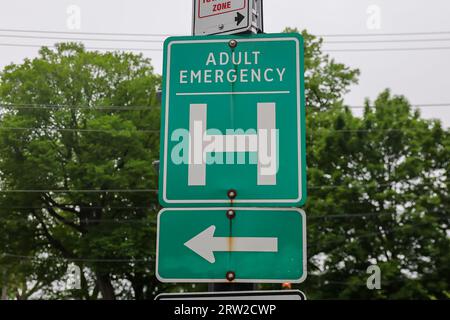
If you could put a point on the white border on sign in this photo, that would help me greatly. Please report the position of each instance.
(223, 280)
(230, 294)
(166, 127)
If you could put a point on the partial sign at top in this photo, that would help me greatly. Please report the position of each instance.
(225, 16)
(209, 8)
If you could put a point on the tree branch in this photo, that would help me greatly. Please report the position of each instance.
(60, 218)
(53, 241)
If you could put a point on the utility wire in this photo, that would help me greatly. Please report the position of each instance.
(145, 108)
(158, 131)
(160, 41)
(88, 48)
(58, 107)
(367, 185)
(387, 49)
(9, 255)
(142, 220)
(160, 50)
(385, 41)
(349, 186)
(74, 206)
(80, 39)
(82, 191)
(88, 221)
(389, 34)
(425, 105)
(89, 33)
(79, 130)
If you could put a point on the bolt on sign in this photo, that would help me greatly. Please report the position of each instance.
(233, 121)
(226, 16)
(242, 245)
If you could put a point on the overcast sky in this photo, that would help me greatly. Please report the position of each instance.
(421, 75)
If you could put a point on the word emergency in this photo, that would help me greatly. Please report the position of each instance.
(227, 71)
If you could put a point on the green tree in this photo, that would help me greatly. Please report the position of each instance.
(377, 191)
(377, 184)
(378, 195)
(69, 129)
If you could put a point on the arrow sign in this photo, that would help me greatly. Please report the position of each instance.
(239, 18)
(205, 244)
(262, 245)
(216, 17)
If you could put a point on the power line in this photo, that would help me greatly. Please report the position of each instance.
(160, 50)
(160, 41)
(366, 185)
(145, 108)
(158, 131)
(80, 39)
(387, 49)
(363, 130)
(388, 34)
(88, 48)
(358, 215)
(391, 34)
(386, 41)
(90, 33)
(425, 105)
(142, 221)
(82, 191)
(79, 130)
(9, 255)
(74, 206)
(88, 221)
(58, 107)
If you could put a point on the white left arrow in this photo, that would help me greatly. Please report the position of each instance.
(205, 244)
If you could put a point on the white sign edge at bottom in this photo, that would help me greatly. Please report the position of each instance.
(234, 295)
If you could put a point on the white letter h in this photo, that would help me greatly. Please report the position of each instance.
(265, 143)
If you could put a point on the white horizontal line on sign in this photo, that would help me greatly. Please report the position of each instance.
(229, 93)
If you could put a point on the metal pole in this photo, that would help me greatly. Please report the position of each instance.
(255, 5)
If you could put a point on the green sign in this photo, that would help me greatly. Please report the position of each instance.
(233, 119)
(257, 245)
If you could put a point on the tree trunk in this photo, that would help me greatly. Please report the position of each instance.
(105, 286)
(4, 295)
(4, 292)
(138, 291)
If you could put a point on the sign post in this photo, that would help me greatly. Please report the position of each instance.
(232, 168)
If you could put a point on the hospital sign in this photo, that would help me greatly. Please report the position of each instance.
(233, 121)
